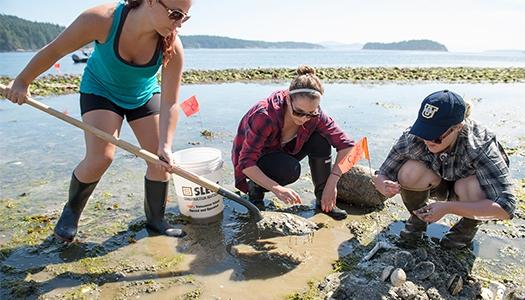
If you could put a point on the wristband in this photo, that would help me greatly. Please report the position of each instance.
(338, 175)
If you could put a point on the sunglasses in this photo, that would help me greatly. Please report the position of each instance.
(175, 14)
(302, 114)
(440, 139)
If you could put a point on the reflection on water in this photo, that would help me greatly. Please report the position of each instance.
(38, 153)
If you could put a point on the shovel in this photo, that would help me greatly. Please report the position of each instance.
(287, 224)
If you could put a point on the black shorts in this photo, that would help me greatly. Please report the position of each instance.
(89, 102)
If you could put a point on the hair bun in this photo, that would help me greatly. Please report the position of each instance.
(305, 70)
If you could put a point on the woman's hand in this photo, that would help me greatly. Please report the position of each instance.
(432, 212)
(386, 187)
(287, 195)
(329, 197)
(17, 92)
(165, 156)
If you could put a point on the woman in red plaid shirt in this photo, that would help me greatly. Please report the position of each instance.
(277, 133)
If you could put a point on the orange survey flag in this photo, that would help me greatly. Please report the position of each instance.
(57, 67)
(190, 106)
(355, 155)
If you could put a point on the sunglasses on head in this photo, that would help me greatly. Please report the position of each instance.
(175, 14)
(440, 139)
(301, 114)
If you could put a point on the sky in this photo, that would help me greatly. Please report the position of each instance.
(461, 25)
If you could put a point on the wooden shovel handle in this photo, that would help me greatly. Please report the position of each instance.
(144, 154)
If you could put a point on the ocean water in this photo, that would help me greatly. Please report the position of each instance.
(13, 62)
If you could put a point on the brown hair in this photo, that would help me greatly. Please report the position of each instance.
(167, 44)
(306, 79)
(468, 109)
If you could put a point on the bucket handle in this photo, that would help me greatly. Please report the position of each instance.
(144, 154)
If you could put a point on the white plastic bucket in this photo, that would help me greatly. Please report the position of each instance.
(195, 201)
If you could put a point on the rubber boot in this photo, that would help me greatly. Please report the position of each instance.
(155, 198)
(256, 194)
(461, 234)
(414, 226)
(320, 167)
(79, 192)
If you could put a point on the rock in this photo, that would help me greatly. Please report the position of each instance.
(423, 270)
(355, 187)
(455, 284)
(497, 289)
(282, 224)
(518, 294)
(404, 260)
(409, 291)
(433, 294)
(398, 277)
(244, 250)
(387, 271)
(486, 294)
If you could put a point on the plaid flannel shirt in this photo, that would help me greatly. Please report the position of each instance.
(476, 152)
(260, 130)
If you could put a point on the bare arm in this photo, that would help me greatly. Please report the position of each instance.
(93, 24)
(170, 86)
(284, 194)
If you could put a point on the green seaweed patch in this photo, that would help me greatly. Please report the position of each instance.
(345, 264)
(193, 294)
(167, 263)
(68, 84)
(312, 293)
(83, 292)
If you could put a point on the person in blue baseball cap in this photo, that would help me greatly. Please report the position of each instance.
(448, 156)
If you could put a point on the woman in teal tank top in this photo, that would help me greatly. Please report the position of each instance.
(133, 40)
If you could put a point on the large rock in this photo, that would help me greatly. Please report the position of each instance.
(355, 187)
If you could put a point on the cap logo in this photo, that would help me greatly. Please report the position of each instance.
(429, 111)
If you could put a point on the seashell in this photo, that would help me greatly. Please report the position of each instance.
(486, 294)
(423, 270)
(386, 272)
(497, 289)
(398, 277)
(455, 284)
(404, 260)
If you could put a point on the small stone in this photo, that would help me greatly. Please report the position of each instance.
(387, 271)
(455, 284)
(408, 291)
(423, 270)
(486, 294)
(433, 294)
(404, 260)
(421, 254)
(497, 289)
(398, 277)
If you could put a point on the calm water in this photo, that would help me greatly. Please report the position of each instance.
(38, 153)
(12, 63)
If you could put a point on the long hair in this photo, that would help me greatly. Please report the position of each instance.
(167, 44)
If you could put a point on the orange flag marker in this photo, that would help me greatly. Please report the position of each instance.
(359, 150)
(190, 106)
(57, 67)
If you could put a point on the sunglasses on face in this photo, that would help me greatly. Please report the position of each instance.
(440, 139)
(175, 14)
(301, 114)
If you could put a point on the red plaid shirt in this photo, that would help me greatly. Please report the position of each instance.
(260, 129)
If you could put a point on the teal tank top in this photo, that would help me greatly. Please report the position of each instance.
(108, 75)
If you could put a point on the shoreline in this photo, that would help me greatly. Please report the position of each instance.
(68, 84)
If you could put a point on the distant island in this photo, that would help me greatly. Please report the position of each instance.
(422, 45)
(17, 34)
(216, 42)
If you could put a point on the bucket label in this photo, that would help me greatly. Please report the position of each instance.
(196, 201)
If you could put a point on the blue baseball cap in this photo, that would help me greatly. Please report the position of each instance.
(439, 111)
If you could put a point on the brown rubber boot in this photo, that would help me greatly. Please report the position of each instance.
(320, 167)
(414, 226)
(461, 234)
